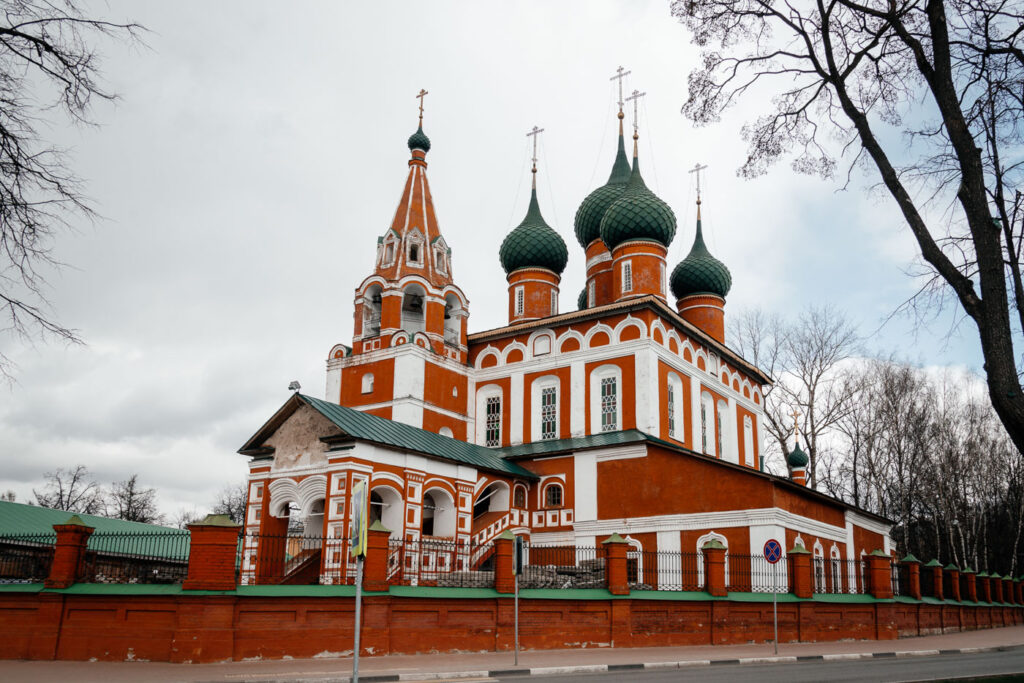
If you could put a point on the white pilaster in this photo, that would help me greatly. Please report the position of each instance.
(585, 486)
(516, 401)
(577, 399)
(695, 390)
(668, 542)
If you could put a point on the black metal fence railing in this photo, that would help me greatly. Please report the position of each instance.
(663, 571)
(900, 574)
(562, 566)
(152, 557)
(441, 562)
(927, 582)
(947, 585)
(754, 574)
(26, 558)
(294, 559)
(840, 576)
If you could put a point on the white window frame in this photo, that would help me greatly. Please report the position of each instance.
(520, 302)
(537, 388)
(748, 441)
(554, 301)
(820, 584)
(596, 376)
(661, 278)
(711, 536)
(391, 242)
(591, 293)
(627, 276)
(367, 383)
(415, 239)
(674, 398)
(487, 392)
(707, 423)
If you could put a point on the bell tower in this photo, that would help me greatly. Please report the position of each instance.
(410, 319)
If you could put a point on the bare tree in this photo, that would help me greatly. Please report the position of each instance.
(8, 496)
(185, 516)
(841, 77)
(804, 358)
(48, 68)
(132, 502)
(231, 501)
(73, 490)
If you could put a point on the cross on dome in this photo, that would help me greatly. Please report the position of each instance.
(635, 99)
(796, 425)
(533, 134)
(620, 73)
(423, 93)
(697, 169)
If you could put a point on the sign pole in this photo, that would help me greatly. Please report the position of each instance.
(517, 568)
(517, 620)
(357, 530)
(359, 622)
(775, 604)
(772, 554)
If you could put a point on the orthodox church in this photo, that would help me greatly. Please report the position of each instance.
(628, 415)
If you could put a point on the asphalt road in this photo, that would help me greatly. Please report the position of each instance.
(934, 668)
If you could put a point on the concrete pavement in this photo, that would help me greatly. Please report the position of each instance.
(484, 664)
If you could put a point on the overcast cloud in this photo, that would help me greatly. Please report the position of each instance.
(259, 151)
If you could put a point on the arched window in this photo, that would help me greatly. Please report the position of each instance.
(452, 319)
(368, 383)
(544, 393)
(711, 536)
(553, 496)
(627, 276)
(707, 430)
(554, 301)
(388, 255)
(439, 515)
(591, 294)
(819, 568)
(519, 497)
(371, 311)
(412, 309)
(674, 407)
(720, 417)
(415, 248)
(489, 416)
(605, 399)
(386, 507)
(748, 441)
(520, 301)
(837, 574)
(445, 431)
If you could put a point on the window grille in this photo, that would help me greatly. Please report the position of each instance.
(627, 276)
(609, 405)
(554, 302)
(549, 413)
(704, 427)
(661, 278)
(671, 411)
(553, 496)
(718, 434)
(519, 300)
(492, 437)
(519, 497)
(591, 293)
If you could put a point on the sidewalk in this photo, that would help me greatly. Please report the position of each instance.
(479, 665)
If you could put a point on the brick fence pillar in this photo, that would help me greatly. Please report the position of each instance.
(800, 568)
(375, 566)
(504, 579)
(935, 567)
(714, 568)
(1018, 591)
(213, 549)
(1008, 589)
(954, 581)
(972, 585)
(615, 571)
(913, 566)
(997, 587)
(984, 587)
(880, 566)
(72, 537)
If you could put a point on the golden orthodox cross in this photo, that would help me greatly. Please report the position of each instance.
(423, 93)
(620, 73)
(796, 426)
(533, 134)
(635, 99)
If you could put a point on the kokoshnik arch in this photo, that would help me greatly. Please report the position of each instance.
(628, 415)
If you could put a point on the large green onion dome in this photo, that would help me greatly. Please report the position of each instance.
(419, 140)
(581, 300)
(637, 215)
(700, 272)
(591, 211)
(533, 244)
(797, 459)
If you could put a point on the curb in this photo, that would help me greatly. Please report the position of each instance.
(610, 668)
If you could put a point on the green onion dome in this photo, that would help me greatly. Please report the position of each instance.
(637, 215)
(419, 140)
(591, 211)
(533, 244)
(797, 459)
(700, 272)
(581, 300)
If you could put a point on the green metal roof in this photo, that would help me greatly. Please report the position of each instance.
(18, 518)
(797, 458)
(592, 209)
(533, 244)
(579, 443)
(700, 272)
(638, 214)
(419, 140)
(364, 426)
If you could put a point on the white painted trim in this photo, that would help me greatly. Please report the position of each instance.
(713, 520)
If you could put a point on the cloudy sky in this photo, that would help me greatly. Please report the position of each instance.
(258, 151)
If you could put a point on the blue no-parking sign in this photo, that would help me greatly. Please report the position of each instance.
(772, 551)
